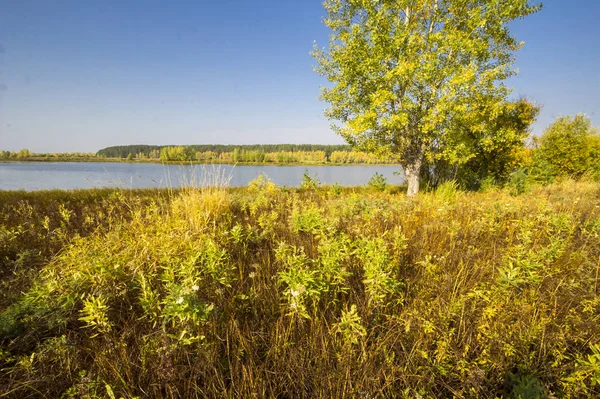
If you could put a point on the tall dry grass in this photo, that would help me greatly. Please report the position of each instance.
(270, 292)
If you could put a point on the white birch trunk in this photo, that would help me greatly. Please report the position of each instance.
(413, 172)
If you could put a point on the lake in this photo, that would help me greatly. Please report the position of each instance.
(72, 175)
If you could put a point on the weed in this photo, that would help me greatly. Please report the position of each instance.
(268, 292)
(308, 182)
(378, 182)
(518, 182)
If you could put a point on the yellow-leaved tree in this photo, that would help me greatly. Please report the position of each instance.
(410, 76)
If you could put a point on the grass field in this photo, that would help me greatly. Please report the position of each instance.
(300, 293)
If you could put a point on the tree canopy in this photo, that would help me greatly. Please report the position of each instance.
(570, 147)
(409, 77)
(475, 155)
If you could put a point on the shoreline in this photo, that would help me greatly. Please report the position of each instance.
(158, 162)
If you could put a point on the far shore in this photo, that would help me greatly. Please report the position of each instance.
(157, 161)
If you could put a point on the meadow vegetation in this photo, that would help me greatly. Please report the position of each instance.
(35, 226)
(297, 293)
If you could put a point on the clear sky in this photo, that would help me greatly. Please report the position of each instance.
(81, 75)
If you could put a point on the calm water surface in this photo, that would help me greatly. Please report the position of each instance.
(70, 175)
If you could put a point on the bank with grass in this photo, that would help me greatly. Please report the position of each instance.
(315, 292)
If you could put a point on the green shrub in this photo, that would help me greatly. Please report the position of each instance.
(570, 147)
(447, 191)
(308, 182)
(336, 189)
(262, 183)
(377, 182)
(518, 183)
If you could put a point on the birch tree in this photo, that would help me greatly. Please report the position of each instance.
(402, 72)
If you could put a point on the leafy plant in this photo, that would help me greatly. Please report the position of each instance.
(518, 182)
(350, 327)
(308, 182)
(526, 387)
(378, 182)
(262, 183)
(336, 189)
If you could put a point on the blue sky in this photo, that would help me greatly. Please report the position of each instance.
(82, 75)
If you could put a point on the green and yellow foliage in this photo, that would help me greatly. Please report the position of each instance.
(486, 146)
(35, 226)
(255, 153)
(269, 292)
(569, 147)
(310, 154)
(357, 157)
(179, 153)
(26, 155)
(410, 79)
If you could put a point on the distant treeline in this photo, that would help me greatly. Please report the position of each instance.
(25, 154)
(212, 153)
(123, 151)
(257, 153)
